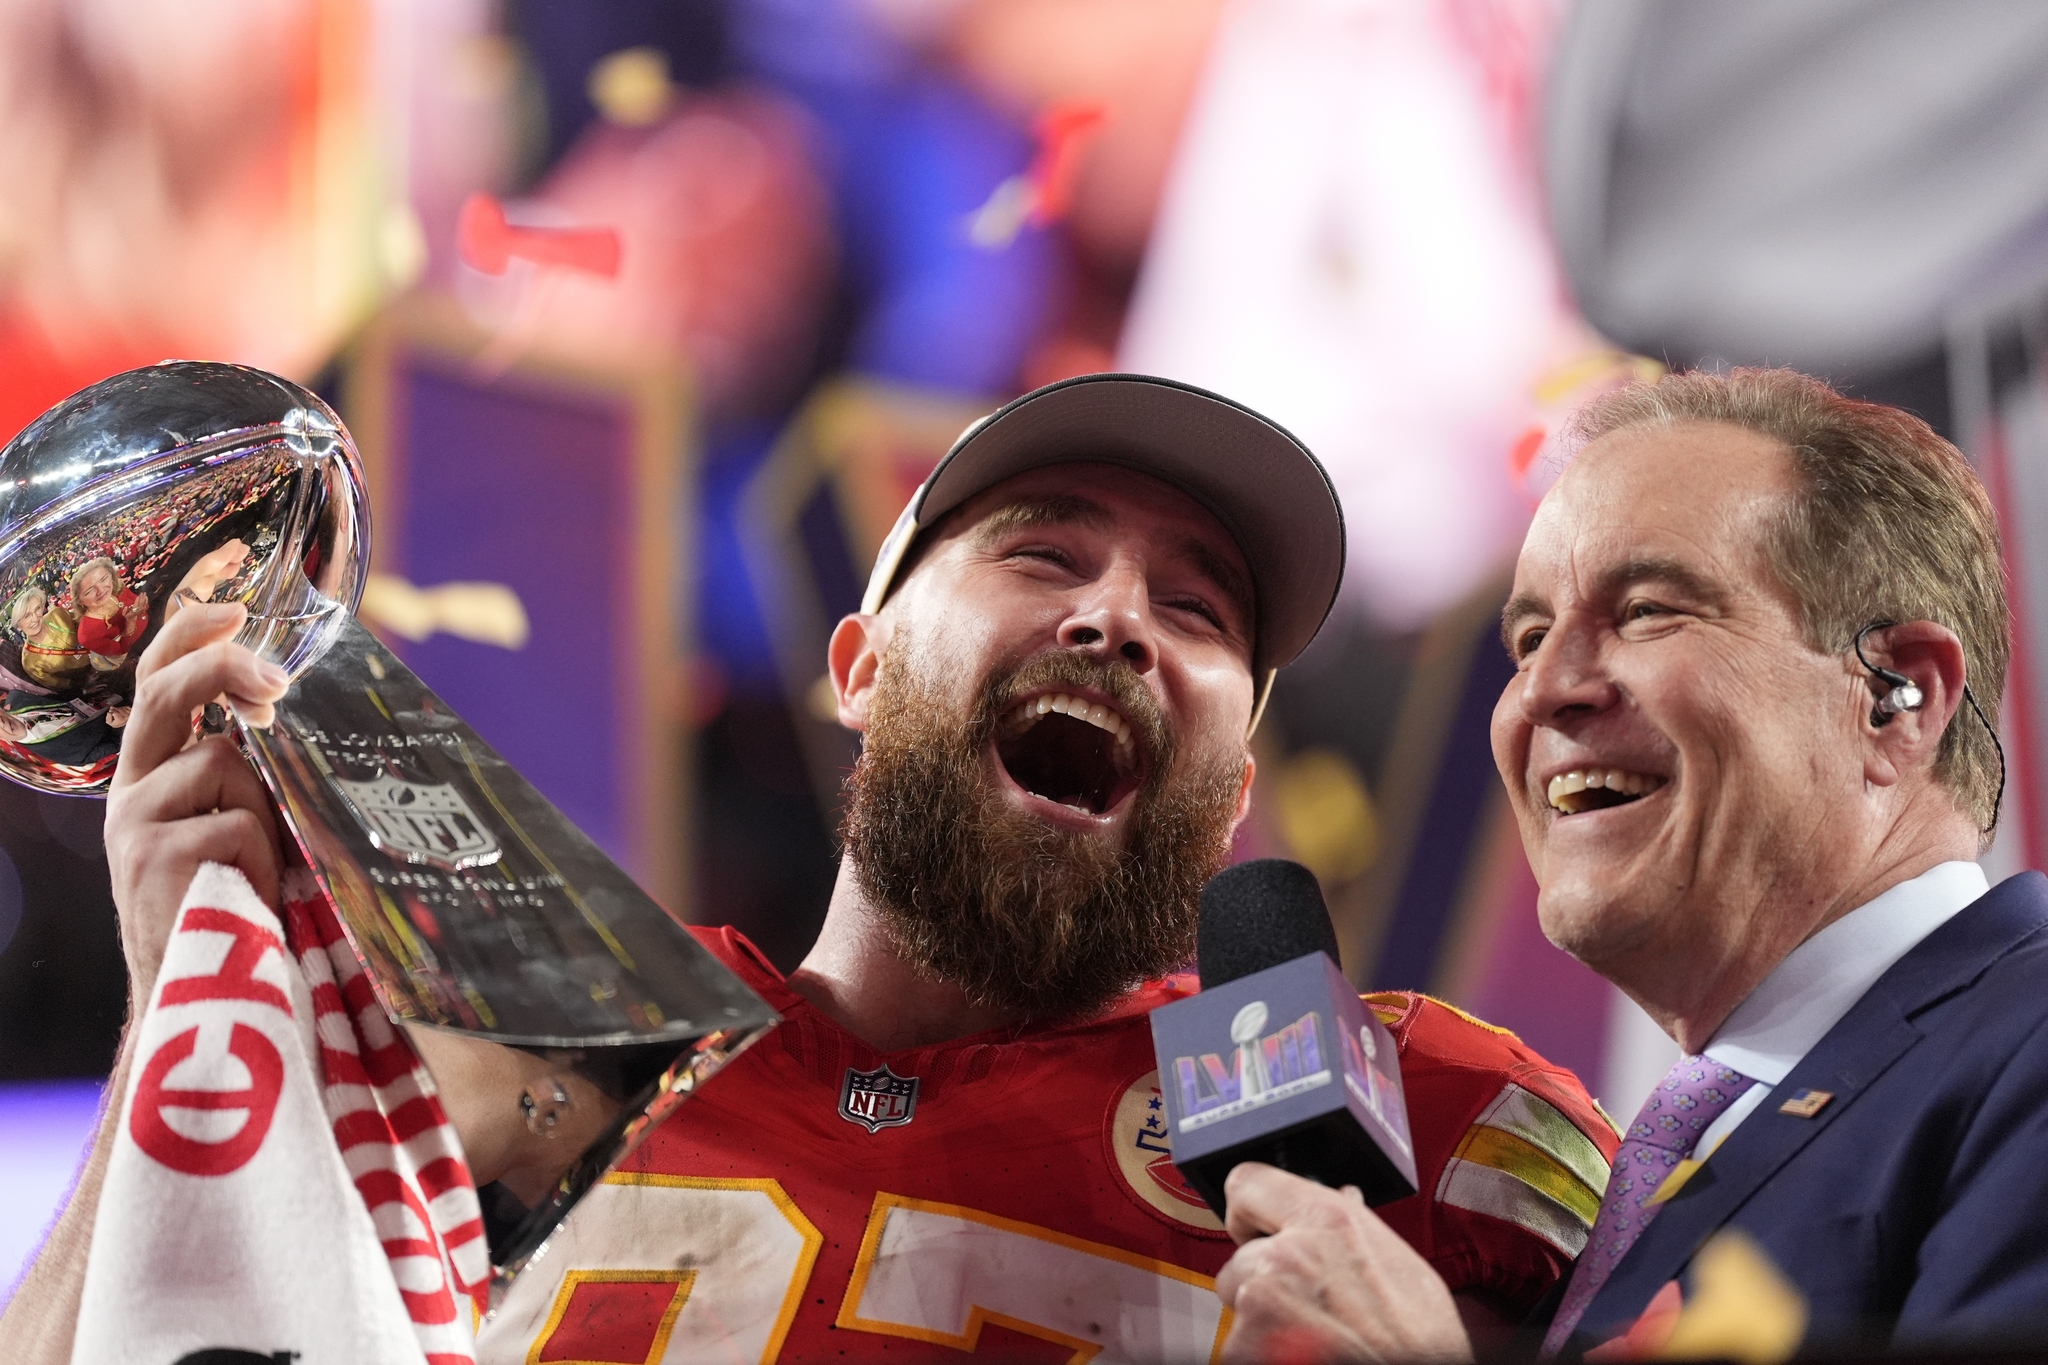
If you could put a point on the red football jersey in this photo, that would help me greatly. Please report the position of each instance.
(1011, 1192)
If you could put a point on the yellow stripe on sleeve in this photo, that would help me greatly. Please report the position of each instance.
(1539, 1123)
(1524, 1162)
(1532, 1166)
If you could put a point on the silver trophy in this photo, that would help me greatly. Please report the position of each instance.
(484, 918)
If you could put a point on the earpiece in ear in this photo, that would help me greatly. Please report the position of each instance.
(1901, 692)
(1904, 696)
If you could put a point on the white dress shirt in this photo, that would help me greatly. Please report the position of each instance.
(1808, 993)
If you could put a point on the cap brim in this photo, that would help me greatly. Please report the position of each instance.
(1250, 473)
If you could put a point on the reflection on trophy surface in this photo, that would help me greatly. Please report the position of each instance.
(561, 1011)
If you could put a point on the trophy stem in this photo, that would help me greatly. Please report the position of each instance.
(485, 921)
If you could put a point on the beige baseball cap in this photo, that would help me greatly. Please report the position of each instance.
(1252, 475)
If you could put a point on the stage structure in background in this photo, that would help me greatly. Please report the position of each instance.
(554, 489)
(1820, 186)
(815, 516)
(1998, 369)
(484, 920)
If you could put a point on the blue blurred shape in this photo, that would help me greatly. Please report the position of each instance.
(44, 1129)
(518, 484)
(910, 153)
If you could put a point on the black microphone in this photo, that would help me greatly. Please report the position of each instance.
(1278, 1060)
(1258, 915)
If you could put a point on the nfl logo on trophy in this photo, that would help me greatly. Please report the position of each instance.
(878, 1099)
(421, 822)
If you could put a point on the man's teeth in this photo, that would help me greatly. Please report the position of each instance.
(1567, 790)
(1078, 708)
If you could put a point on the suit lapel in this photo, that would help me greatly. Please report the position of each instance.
(1873, 1035)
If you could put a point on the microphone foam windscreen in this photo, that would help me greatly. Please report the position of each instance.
(1258, 915)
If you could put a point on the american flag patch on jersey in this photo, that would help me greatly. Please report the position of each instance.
(1526, 1163)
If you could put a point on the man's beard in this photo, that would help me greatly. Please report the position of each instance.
(1017, 912)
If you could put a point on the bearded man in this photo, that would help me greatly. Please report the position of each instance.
(955, 1137)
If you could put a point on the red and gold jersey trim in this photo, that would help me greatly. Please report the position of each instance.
(680, 1280)
(800, 1275)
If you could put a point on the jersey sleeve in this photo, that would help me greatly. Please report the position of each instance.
(1511, 1153)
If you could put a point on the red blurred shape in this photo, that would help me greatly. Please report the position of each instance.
(1526, 447)
(1064, 131)
(489, 243)
(35, 371)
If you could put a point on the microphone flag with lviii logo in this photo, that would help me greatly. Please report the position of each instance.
(281, 1181)
(1285, 1066)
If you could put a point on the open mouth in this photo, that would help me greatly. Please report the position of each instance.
(1070, 750)
(1599, 788)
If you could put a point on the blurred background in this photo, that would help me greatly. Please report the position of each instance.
(650, 314)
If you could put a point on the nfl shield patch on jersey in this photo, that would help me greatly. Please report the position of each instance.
(877, 1099)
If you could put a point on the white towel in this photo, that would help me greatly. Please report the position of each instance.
(283, 1179)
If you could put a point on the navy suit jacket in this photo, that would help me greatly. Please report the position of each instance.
(1914, 1206)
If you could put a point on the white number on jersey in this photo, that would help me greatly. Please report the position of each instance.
(937, 1272)
(717, 1267)
(678, 1269)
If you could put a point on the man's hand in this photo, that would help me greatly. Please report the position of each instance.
(1318, 1277)
(176, 803)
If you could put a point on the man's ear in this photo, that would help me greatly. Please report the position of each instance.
(1244, 793)
(1930, 655)
(855, 658)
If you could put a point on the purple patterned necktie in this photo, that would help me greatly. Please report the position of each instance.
(1692, 1095)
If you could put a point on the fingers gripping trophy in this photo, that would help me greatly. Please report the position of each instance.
(543, 989)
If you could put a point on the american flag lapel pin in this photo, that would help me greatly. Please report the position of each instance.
(1806, 1103)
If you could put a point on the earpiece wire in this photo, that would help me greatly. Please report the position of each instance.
(1897, 679)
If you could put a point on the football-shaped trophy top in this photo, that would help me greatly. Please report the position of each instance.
(156, 490)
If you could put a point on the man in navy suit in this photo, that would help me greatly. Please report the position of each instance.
(1761, 635)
